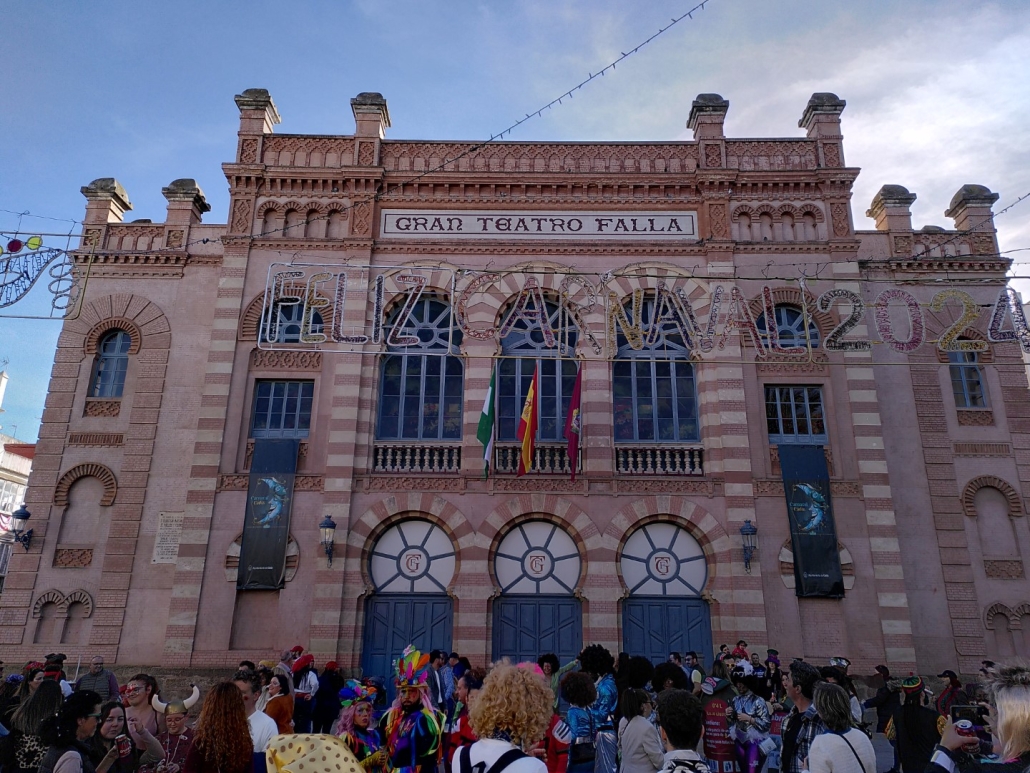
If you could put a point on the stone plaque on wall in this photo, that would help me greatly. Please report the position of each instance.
(166, 545)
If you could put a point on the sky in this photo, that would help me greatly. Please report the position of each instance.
(938, 96)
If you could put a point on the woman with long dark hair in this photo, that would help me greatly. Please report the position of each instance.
(23, 749)
(144, 750)
(221, 739)
(460, 731)
(66, 734)
(578, 730)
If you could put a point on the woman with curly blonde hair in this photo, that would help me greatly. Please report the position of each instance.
(221, 739)
(511, 713)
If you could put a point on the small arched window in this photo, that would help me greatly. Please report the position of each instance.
(111, 365)
(967, 380)
(420, 394)
(790, 327)
(655, 395)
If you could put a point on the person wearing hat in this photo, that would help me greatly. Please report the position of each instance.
(951, 695)
(356, 728)
(412, 727)
(178, 738)
(914, 727)
(327, 700)
(305, 685)
(285, 666)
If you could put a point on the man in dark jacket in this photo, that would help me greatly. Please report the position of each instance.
(916, 728)
(887, 699)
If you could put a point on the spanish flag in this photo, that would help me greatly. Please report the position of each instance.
(527, 425)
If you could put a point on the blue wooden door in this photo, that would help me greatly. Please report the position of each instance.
(655, 626)
(392, 622)
(526, 627)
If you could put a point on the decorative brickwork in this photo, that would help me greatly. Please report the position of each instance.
(102, 408)
(1003, 569)
(92, 470)
(63, 601)
(280, 360)
(975, 418)
(990, 481)
(982, 449)
(73, 558)
(105, 326)
(95, 439)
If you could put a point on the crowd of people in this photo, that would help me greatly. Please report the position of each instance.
(594, 714)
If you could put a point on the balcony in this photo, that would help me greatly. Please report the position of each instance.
(416, 457)
(659, 460)
(548, 459)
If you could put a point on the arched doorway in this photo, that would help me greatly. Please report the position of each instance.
(537, 566)
(411, 565)
(664, 569)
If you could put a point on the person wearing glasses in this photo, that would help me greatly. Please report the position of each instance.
(98, 679)
(640, 743)
(139, 693)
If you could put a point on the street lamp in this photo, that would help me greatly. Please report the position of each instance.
(19, 518)
(749, 536)
(328, 530)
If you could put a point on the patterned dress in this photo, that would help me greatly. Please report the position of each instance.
(412, 739)
(364, 743)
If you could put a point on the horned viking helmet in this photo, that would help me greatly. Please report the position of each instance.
(176, 707)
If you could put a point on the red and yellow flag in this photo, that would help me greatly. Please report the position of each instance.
(527, 426)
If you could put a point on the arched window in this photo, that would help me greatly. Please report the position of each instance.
(524, 349)
(420, 395)
(967, 380)
(790, 326)
(654, 387)
(111, 364)
(289, 319)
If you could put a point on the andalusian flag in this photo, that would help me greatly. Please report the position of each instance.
(574, 423)
(485, 433)
(527, 425)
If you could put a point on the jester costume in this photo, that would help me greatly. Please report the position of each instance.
(412, 730)
(365, 742)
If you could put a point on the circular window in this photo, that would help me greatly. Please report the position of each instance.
(661, 559)
(412, 557)
(537, 557)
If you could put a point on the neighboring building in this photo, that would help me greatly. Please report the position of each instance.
(419, 269)
(15, 466)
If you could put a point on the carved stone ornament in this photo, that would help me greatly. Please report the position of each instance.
(391, 483)
(839, 216)
(73, 558)
(1003, 569)
(240, 222)
(248, 150)
(175, 239)
(556, 485)
(976, 418)
(903, 246)
(238, 482)
(102, 408)
(665, 486)
(285, 360)
(717, 221)
(768, 488)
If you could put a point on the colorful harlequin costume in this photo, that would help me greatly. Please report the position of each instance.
(412, 733)
(366, 743)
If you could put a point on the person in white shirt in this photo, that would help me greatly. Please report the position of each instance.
(511, 712)
(262, 727)
(844, 748)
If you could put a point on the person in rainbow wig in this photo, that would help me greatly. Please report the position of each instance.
(355, 726)
(412, 727)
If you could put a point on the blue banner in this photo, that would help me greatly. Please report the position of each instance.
(813, 535)
(266, 526)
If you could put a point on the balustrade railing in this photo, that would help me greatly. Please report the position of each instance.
(659, 460)
(416, 458)
(548, 459)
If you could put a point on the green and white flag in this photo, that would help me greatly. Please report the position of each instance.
(485, 433)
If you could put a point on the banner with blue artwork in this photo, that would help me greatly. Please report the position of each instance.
(266, 528)
(813, 535)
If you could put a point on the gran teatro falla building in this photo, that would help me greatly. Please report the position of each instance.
(752, 355)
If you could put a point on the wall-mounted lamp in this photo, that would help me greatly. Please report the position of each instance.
(749, 536)
(328, 530)
(19, 519)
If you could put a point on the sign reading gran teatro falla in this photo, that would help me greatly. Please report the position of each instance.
(536, 225)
